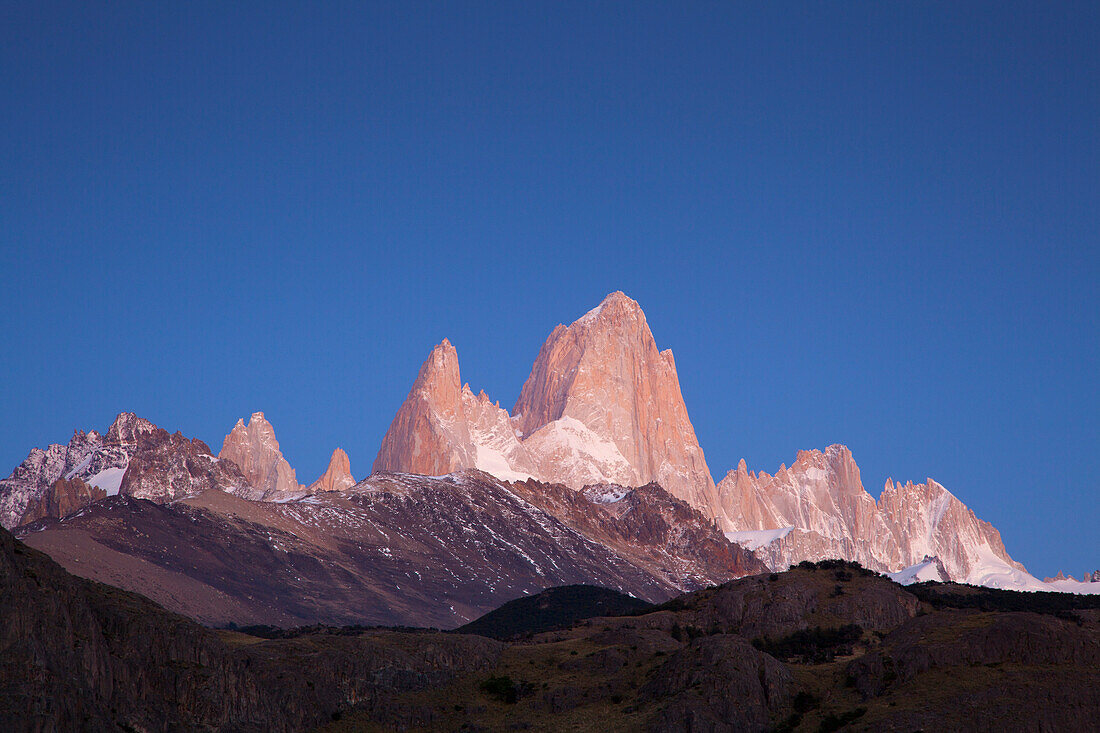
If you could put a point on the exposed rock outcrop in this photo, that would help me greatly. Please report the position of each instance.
(442, 427)
(63, 498)
(605, 404)
(602, 405)
(167, 466)
(337, 477)
(98, 461)
(255, 450)
(818, 509)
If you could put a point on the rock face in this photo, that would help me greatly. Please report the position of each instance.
(602, 405)
(255, 450)
(63, 498)
(393, 549)
(442, 427)
(604, 377)
(337, 477)
(166, 467)
(818, 509)
(82, 656)
(96, 460)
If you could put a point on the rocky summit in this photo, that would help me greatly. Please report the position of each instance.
(255, 450)
(602, 405)
(337, 476)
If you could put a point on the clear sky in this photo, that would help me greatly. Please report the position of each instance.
(869, 223)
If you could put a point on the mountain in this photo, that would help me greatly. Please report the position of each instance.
(602, 406)
(604, 376)
(79, 655)
(443, 427)
(255, 450)
(817, 508)
(393, 549)
(599, 440)
(135, 458)
(336, 477)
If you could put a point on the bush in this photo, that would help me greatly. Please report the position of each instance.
(500, 688)
(813, 646)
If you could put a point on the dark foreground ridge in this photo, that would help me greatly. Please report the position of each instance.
(812, 649)
(553, 609)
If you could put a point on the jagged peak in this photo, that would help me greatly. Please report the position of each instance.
(442, 363)
(337, 475)
(127, 426)
(615, 307)
(925, 486)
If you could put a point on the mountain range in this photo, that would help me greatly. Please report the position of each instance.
(595, 476)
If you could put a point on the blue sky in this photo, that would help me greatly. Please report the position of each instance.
(869, 223)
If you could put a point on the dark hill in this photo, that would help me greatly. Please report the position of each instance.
(79, 655)
(554, 608)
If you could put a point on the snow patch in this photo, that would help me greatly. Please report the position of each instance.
(608, 494)
(494, 463)
(109, 480)
(80, 466)
(922, 571)
(754, 539)
(1073, 586)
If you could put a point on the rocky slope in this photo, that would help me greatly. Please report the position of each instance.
(393, 549)
(78, 655)
(650, 526)
(255, 450)
(822, 647)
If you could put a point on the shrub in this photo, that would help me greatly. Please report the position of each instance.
(500, 688)
(814, 646)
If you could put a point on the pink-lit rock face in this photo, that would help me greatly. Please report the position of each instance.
(602, 405)
(606, 403)
(443, 427)
(337, 477)
(255, 450)
(818, 509)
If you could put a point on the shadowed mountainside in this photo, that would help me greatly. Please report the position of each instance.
(395, 549)
(554, 608)
(854, 649)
